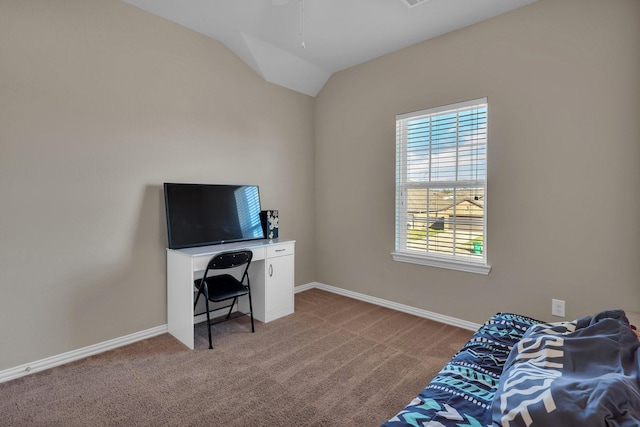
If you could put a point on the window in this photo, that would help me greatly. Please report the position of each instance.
(441, 183)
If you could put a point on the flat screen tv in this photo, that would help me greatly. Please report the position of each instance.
(207, 214)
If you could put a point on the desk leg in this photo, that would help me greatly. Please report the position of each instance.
(180, 298)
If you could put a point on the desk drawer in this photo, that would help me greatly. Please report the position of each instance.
(279, 250)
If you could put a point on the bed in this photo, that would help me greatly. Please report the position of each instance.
(518, 371)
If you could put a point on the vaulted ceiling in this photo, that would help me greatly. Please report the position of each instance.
(298, 44)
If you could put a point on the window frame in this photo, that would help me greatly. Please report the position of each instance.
(404, 254)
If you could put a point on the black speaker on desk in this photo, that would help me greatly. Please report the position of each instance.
(269, 220)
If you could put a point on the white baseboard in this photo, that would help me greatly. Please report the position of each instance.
(392, 305)
(306, 287)
(61, 359)
(70, 356)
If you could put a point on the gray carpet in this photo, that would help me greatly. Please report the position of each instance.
(335, 362)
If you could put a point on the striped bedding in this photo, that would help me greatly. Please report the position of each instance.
(516, 371)
(462, 392)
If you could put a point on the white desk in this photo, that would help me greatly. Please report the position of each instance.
(271, 274)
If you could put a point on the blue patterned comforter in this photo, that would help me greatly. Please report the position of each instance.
(580, 373)
(462, 392)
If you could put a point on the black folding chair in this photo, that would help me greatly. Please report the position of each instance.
(224, 287)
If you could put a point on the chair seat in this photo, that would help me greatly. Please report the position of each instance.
(223, 287)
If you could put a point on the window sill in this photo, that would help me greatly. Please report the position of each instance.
(431, 261)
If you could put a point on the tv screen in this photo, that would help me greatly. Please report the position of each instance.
(206, 214)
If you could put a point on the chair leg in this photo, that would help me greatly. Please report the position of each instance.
(206, 302)
(231, 307)
(251, 312)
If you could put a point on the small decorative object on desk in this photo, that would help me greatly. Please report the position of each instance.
(269, 221)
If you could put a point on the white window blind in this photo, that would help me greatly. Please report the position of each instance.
(441, 183)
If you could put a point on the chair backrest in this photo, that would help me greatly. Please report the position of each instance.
(230, 259)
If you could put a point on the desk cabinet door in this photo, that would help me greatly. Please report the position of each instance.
(279, 287)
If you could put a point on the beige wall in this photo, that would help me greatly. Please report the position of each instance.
(562, 79)
(100, 103)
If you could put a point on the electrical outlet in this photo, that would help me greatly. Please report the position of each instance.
(557, 307)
